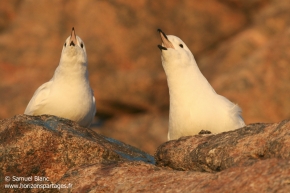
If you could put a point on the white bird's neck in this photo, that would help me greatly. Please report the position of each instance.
(74, 72)
(186, 83)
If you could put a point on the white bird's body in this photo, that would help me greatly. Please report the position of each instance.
(68, 94)
(194, 105)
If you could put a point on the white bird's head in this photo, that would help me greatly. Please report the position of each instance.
(174, 51)
(73, 51)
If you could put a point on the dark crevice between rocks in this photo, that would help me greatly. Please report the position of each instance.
(119, 108)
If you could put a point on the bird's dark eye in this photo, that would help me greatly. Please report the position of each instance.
(181, 45)
(82, 45)
(65, 44)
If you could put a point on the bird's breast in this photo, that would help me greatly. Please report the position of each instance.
(71, 99)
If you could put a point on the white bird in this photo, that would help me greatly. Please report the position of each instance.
(194, 104)
(68, 94)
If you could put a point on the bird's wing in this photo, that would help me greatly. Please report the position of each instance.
(94, 103)
(235, 111)
(38, 99)
(93, 112)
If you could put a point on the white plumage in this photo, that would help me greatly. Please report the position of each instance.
(68, 94)
(194, 104)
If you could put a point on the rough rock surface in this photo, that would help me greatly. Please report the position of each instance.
(271, 175)
(251, 159)
(49, 146)
(234, 148)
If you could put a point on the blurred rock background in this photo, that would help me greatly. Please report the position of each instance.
(242, 47)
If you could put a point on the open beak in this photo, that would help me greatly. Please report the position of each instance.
(73, 39)
(165, 42)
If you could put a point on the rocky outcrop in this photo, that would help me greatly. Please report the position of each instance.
(240, 147)
(250, 159)
(271, 175)
(49, 146)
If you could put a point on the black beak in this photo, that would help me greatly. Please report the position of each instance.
(160, 31)
(73, 38)
(161, 47)
(165, 42)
